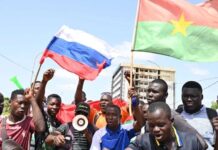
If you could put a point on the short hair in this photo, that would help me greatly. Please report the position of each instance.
(82, 107)
(192, 84)
(108, 94)
(161, 82)
(1, 97)
(115, 107)
(84, 93)
(15, 93)
(160, 105)
(54, 96)
(35, 82)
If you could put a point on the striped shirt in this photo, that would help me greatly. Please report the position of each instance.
(78, 140)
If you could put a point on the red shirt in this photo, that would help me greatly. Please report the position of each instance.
(20, 131)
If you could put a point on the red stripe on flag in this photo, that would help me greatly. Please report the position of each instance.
(167, 10)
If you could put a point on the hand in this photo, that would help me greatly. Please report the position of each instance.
(28, 94)
(134, 97)
(132, 92)
(58, 140)
(48, 75)
(127, 75)
(215, 123)
(87, 133)
(81, 80)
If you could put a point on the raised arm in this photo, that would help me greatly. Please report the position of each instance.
(137, 114)
(127, 77)
(38, 119)
(46, 77)
(79, 97)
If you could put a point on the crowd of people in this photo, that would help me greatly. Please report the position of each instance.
(33, 124)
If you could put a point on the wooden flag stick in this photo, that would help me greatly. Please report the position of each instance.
(32, 87)
(131, 57)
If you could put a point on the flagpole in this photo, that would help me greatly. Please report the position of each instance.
(37, 74)
(131, 57)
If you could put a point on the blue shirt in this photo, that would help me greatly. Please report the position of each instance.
(106, 139)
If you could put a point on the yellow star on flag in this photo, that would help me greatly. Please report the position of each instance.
(181, 25)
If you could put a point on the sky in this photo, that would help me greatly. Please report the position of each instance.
(28, 26)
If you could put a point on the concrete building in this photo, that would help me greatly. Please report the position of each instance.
(143, 75)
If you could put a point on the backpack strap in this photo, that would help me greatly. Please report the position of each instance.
(3, 129)
(211, 113)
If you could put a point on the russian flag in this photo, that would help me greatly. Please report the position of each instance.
(78, 52)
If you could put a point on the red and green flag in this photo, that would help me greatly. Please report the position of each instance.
(178, 29)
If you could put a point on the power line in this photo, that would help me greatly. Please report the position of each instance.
(15, 63)
(211, 84)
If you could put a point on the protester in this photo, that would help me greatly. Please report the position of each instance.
(144, 110)
(19, 127)
(116, 136)
(1, 103)
(162, 134)
(53, 105)
(196, 114)
(78, 139)
(97, 118)
(157, 92)
(36, 87)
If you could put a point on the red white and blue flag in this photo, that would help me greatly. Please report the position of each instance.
(78, 52)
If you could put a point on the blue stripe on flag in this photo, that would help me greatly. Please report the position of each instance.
(78, 52)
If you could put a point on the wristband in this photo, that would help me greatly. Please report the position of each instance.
(135, 101)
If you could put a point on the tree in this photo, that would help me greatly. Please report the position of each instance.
(6, 109)
(214, 105)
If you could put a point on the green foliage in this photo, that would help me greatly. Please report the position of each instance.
(6, 109)
(214, 105)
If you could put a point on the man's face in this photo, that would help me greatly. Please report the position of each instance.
(104, 101)
(159, 125)
(145, 111)
(36, 88)
(19, 106)
(192, 99)
(112, 118)
(53, 106)
(155, 92)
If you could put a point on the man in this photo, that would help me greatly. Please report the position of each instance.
(144, 110)
(157, 92)
(36, 87)
(19, 126)
(97, 118)
(78, 139)
(162, 134)
(53, 106)
(196, 114)
(1, 103)
(113, 136)
(116, 136)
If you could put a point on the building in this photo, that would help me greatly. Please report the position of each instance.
(143, 75)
